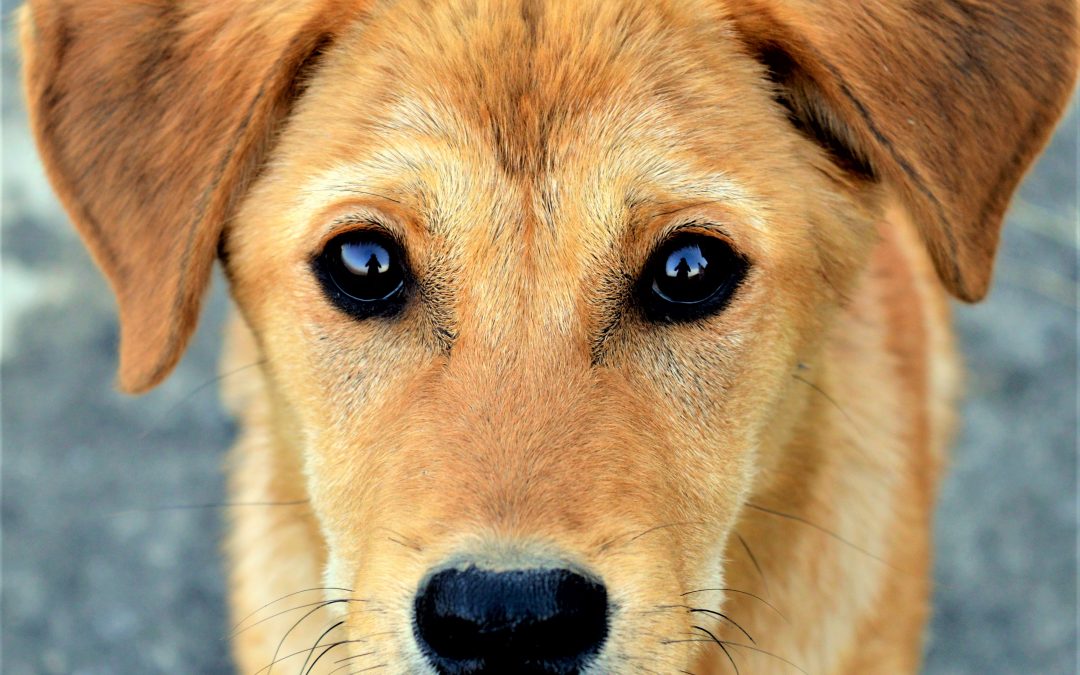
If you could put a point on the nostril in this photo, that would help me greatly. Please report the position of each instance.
(474, 621)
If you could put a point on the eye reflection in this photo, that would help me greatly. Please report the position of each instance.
(690, 276)
(686, 264)
(365, 258)
(364, 273)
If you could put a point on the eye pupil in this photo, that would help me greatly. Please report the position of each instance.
(363, 273)
(690, 276)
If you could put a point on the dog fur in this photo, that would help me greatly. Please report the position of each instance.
(775, 462)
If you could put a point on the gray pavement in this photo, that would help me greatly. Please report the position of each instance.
(97, 578)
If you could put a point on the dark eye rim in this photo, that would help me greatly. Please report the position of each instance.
(323, 263)
(659, 309)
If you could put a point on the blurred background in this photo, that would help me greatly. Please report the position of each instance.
(100, 575)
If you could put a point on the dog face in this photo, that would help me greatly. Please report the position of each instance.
(530, 280)
(532, 400)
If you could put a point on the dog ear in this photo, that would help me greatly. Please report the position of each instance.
(947, 103)
(150, 118)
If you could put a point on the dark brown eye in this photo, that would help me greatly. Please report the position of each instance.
(690, 276)
(363, 273)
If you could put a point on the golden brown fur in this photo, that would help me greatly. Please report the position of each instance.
(532, 153)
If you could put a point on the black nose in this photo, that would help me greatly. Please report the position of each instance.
(525, 622)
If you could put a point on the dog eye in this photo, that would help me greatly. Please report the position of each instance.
(363, 273)
(690, 276)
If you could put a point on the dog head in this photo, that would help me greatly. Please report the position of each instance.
(530, 278)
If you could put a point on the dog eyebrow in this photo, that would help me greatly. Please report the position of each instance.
(329, 197)
(346, 189)
(696, 197)
(354, 190)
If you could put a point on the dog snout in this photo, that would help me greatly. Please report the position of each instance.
(528, 621)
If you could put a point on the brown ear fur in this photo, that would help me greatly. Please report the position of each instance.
(948, 102)
(150, 118)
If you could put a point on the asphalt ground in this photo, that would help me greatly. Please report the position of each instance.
(99, 577)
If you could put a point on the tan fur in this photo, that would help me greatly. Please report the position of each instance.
(531, 154)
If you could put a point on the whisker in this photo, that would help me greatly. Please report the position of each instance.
(401, 543)
(156, 424)
(702, 610)
(316, 605)
(314, 646)
(670, 641)
(299, 621)
(722, 647)
(680, 208)
(324, 653)
(735, 590)
(767, 653)
(400, 539)
(375, 610)
(824, 530)
(266, 668)
(289, 595)
(200, 507)
(753, 560)
(608, 544)
(349, 658)
(358, 191)
(354, 656)
(824, 394)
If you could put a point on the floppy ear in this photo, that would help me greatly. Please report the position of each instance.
(945, 101)
(150, 118)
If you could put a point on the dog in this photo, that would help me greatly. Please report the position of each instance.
(571, 336)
